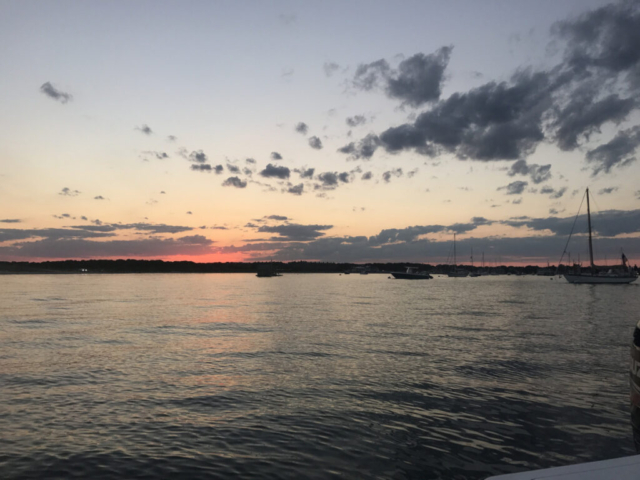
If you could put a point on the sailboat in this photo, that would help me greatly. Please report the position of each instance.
(620, 274)
(456, 272)
(475, 273)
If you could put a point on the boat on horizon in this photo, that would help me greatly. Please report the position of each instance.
(412, 273)
(619, 274)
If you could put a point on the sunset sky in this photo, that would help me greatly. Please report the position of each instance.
(333, 131)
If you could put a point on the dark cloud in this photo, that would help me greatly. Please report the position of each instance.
(198, 156)
(218, 169)
(514, 188)
(608, 223)
(250, 160)
(330, 68)
(558, 193)
(99, 197)
(363, 150)
(607, 190)
(233, 168)
(604, 41)
(305, 172)
(204, 167)
(417, 80)
(330, 180)
(52, 92)
(11, 220)
(538, 173)
(67, 192)
(315, 142)
(618, 152)
(279, 218)
(296, 189)
(247, 171)
(234, 182)
(296, 232)
(367, 176)
(69, 248)
(189, 213)
(276, 156)
(302, 128)
(144, 129)
(582, 116)
(356, 120)
(275, 171)
(396, 172)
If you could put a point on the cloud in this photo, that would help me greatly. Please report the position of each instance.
(604, 42)
(416, 81)
(296, 232)
(52, 92)
(99, 197)
(330, 68)
(158, 155)
(204, 167)
(171, 138)
(67, 192)
(279, 218)
(538, 173)
(144, 129)
(198, 156)
(608, 223)
(250, 160)
(356, 120)
(233, 168)
(607, 190)
(558, 193)
(276, 171)
(367, 176)
(11, 220)
(330, 180)
(69, 248)
(296, 189)
(396, 172)
(514, 188)
(276, 156)
(302, 128)
(315, 142)
(363, 150)
(305, 172)
(234, 182)
(582, 116)
(189, 213)
(218, 169)
(618, 152)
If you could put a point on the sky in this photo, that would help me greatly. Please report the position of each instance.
(361, 131)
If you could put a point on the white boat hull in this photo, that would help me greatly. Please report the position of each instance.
(599, 279)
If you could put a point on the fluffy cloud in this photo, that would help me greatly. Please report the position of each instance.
(315, 142)
(276, 171)
(234, 182)
(302, 128)
(514, 188)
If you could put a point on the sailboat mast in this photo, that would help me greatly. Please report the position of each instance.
(454, 250)
(590, 240)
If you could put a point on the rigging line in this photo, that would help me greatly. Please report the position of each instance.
(572, 227)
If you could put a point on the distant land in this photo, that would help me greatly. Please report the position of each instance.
(160, 266)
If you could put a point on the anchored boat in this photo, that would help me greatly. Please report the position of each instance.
(620, 274)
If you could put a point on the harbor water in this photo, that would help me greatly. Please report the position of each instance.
(310, 376)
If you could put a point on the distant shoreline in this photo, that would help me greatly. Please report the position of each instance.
(92, 267)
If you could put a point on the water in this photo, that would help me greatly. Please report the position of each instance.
(309, 376)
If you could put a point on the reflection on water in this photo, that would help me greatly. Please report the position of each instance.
(200, 376)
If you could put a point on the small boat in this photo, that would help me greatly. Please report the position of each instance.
(266, 271)
(412, 273)
(620, 274)
(456, 272)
